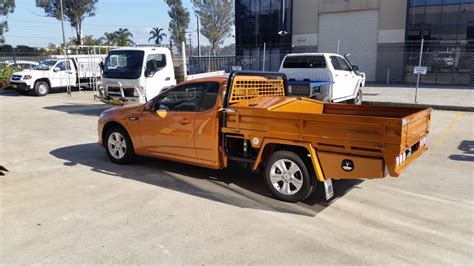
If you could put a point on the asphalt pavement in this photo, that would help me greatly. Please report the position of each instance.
(64, 202)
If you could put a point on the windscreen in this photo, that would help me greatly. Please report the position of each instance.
(123, 64)
(45, 65)
(305, 62)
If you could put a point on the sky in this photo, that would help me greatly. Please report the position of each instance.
(28, 25)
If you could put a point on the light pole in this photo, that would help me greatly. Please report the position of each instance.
(65, 47)
(198, 33)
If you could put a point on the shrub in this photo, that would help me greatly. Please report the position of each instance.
(5, 74)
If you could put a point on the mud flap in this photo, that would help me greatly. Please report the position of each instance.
(328, 188)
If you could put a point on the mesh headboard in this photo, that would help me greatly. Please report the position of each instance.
(248, 87)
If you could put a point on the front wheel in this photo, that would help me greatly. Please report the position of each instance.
(287, 176)
(358, 99)
(119, 146)
(41, 88)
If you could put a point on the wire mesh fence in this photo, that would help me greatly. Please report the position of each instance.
(449, 64)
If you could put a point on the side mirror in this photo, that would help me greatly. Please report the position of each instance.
(101, 65)
(56, 69)
(149, 73)
(355, 68)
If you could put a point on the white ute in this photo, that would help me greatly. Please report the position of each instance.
(345, 82)
(57, 72)
(135, 75)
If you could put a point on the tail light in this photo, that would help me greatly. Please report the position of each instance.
(401, 158)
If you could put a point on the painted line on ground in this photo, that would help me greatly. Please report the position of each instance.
(442, 137)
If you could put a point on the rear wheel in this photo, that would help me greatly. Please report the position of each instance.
(41, 88)
(287, 177)
(119, 146)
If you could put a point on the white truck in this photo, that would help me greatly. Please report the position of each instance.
(135, 74)
(58, 72)
(307, 71)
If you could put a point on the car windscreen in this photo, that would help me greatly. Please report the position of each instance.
(45, 65)
(123, 64)
(304, 62)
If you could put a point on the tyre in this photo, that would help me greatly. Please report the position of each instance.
(41, 88)
(288, 177)
(119, 146)
(358, 99)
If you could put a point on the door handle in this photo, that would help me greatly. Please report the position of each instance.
(185, 121)
(167, 79)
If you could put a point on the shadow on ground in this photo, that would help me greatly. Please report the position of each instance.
(234, 186)
(467, 147)
(80, 109)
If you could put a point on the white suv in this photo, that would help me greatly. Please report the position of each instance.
(343, 82)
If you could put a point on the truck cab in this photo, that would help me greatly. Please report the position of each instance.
(344, 81)
(132, 75)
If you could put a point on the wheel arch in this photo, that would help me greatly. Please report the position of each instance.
(111, 124)
(43, 79)
(303, 149)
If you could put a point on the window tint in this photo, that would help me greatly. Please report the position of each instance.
(335, 63)
(183, 98)
(343, 64)
(209, 98)
(305, 62)
(155, 62)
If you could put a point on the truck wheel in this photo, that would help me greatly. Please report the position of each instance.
(41, 88)
(119, 146)
(287, 177)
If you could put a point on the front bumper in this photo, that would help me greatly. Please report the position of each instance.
(21, 86)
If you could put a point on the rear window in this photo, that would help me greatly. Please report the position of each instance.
(304, 62)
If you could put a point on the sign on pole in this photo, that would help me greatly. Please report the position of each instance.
(420, 70)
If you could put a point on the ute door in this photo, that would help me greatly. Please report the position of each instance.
(345, 80)
(159, 73)
(351, 78)
(169, 130)
(63, 75)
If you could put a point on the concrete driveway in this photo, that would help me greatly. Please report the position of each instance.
(64, 202)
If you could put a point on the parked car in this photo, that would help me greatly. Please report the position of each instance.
(57, 72)
(443, 60)
(345, 82)
(248, 119)
(23, 64)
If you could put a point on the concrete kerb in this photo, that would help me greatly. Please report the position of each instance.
(436, 107)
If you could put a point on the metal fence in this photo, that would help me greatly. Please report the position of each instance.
(449, 64)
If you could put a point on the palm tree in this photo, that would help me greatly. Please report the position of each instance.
(109, 38)
(124, 37)
(157, 34)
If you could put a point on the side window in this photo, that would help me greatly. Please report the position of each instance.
(155, 62)
(63, 66)
(343, 64)
(210, 96)
(182, 98)
(335, 63)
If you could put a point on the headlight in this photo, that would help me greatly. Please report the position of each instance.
(26, 77)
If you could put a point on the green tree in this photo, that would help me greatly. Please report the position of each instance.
(6, 7)
(179, 21)
(74, 12)
(90, 40)
(110, 38)
(157, 34)
(217, 20)
(124, 37)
